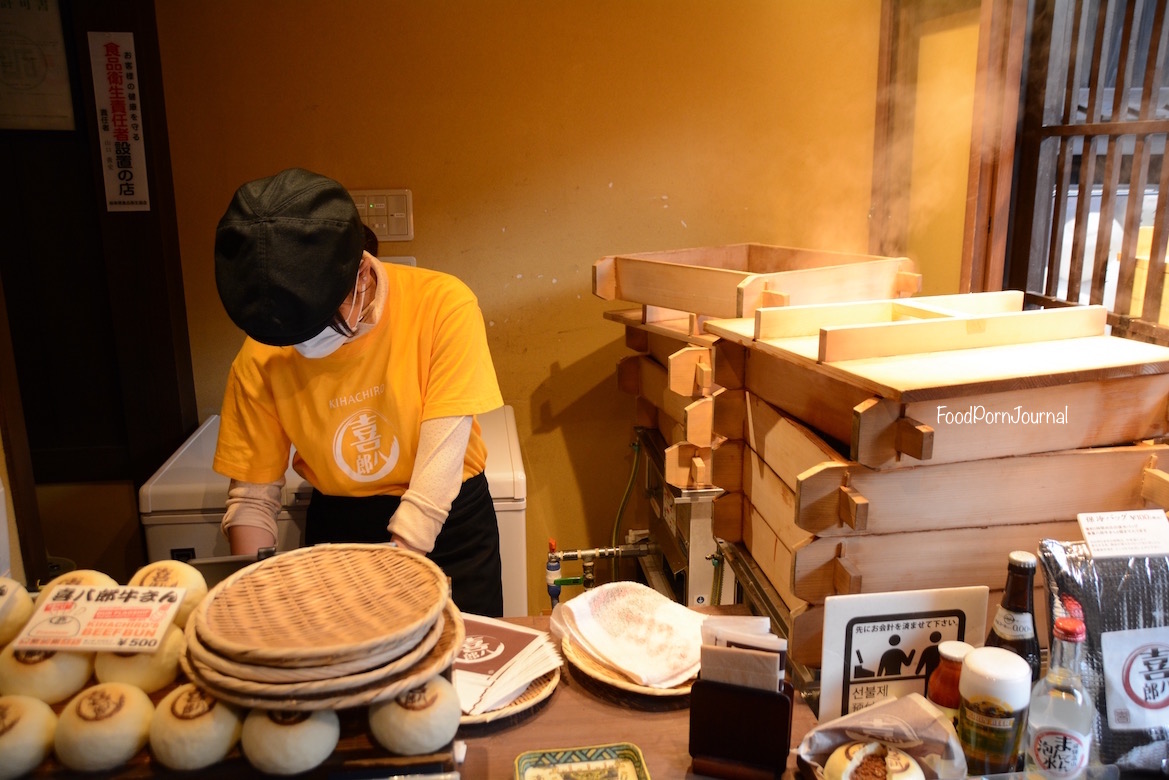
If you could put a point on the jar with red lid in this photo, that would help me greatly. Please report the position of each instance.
(942, 685)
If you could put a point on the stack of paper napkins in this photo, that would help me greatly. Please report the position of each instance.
(498, 661)
(635, 631)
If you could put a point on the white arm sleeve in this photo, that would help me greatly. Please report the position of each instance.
(253, 504)
(434, 483)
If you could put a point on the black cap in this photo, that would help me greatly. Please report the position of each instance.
(286, 255)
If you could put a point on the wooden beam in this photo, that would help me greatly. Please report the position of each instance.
(688, 288)
(629, 374)
(915, 439)
(687, 466)
(772, 499)
(1155, 487)
(906, 283)
(771, 298)
(941, 335)
(605, 279)
(652, 383)
(771, 555)
(689, 371)
(846, 577)
(807, 320)
(874, 280)
(672, 329)
(989, 493)
(883, 562)
(1064, 417)
(791, 321)
(853, 509)
(636, 339)
(784, 443)
(819, 401)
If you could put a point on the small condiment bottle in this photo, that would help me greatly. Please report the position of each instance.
(942, 685)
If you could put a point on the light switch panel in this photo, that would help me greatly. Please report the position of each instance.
(388, 213)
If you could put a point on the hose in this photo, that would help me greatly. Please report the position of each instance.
(624, 500)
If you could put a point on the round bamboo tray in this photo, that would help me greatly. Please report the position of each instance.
(338, 683)
(322, 605)
(594, 669)
(430, 665)
(203, 656)
(537, 691)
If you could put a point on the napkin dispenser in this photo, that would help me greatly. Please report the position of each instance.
(738, 732)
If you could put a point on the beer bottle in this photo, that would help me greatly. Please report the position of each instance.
(1014, 623)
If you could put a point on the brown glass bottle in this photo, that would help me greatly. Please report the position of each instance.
(1014, 623)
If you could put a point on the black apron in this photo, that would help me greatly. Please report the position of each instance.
(467, 548)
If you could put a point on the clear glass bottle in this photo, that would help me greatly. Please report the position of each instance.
(942, 685)
(1061, 714)
(1014, 623)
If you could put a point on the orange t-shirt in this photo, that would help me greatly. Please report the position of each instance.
(353, 416)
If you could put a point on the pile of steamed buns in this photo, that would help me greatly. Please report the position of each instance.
(97, 711)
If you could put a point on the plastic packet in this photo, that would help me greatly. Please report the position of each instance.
(1124, 602)
(910, 723)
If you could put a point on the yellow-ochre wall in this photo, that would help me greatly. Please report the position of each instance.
(536, 137)
(946, 67)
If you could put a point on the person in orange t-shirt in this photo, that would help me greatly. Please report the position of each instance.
(370, 373)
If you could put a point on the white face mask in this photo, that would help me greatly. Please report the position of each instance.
(329, 340)
(321, 345)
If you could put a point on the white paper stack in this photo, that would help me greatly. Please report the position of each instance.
(498, 661)
(741, 650)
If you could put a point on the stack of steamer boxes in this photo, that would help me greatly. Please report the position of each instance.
(870, 442)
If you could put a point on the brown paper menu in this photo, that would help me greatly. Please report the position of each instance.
(498, 661)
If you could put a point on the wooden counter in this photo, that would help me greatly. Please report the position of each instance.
(581, 712)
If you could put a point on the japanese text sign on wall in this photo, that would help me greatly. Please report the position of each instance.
(880, 646)
(125, 619)
(119, 120)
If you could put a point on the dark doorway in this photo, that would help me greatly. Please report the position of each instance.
(94, 297)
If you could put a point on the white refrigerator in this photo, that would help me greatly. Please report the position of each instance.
(182, 505)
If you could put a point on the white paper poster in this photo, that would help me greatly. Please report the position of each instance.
(880, 646)
(119, 120)
(1136, 678)
(34, 78)
(1138, 532)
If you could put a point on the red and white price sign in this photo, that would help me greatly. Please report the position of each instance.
(85, 618)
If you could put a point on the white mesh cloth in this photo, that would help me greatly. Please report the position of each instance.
(634, 630)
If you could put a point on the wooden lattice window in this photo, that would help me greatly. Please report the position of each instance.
(1091, 196)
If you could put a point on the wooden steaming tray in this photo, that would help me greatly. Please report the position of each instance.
(323, 605)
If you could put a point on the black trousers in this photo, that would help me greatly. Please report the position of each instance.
(467, 548)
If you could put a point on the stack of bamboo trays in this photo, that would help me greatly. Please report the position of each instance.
(896, 444)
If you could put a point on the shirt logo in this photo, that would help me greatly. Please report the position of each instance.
(363, 447)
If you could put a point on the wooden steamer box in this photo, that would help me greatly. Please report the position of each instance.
(961, 427)
(897, 444)
(685, 384)
(689, 385)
